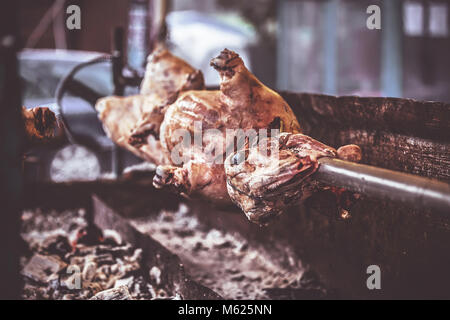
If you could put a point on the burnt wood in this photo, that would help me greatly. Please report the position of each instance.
(398, 134)
(154, 254)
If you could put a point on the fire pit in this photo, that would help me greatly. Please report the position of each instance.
(122, 255)
(222, 251)
(66, 258)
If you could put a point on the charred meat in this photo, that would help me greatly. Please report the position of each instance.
(263, 182)
(40, 124)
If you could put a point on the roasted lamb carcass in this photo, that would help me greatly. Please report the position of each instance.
(133, 122)
(120, 117)
(189, 134)
(242, 103)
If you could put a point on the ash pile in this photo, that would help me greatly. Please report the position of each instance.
(67, 259)
(228, 263)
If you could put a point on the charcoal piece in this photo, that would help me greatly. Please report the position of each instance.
(112, 237)
(105, 258)
(127, 282)
(89, 235)
(57, 244)
(310, 279)
(115, 251)
(41, 268)
(119, 293)
(294, 294)
(89, 270)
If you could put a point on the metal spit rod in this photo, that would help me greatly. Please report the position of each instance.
(416, 191)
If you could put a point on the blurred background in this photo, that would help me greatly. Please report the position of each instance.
(315, 46)
(302, 46)
(320, 46)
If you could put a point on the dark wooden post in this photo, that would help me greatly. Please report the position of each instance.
(11, 133)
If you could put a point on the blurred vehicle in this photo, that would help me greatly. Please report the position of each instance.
(41, 71)
(194, 36)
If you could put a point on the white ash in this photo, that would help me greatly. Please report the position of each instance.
(155, 275)
(58, 266)
(225, 261)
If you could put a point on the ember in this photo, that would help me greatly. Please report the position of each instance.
(98, 266)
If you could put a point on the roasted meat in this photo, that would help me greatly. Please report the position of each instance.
(120, 116)
(242, 103)
(167, 75)
(133, 122)
(265, 179)
(189, 132)
(40, 124)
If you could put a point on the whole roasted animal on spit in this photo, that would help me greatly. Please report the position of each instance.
(39, 124)
(240, 144)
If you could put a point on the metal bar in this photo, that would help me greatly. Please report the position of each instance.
(283, 46)
(118, 61)
(391, 48)
(138, 34)
(330, 47)
(81, 90)
(119, 88)
(386, 184)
